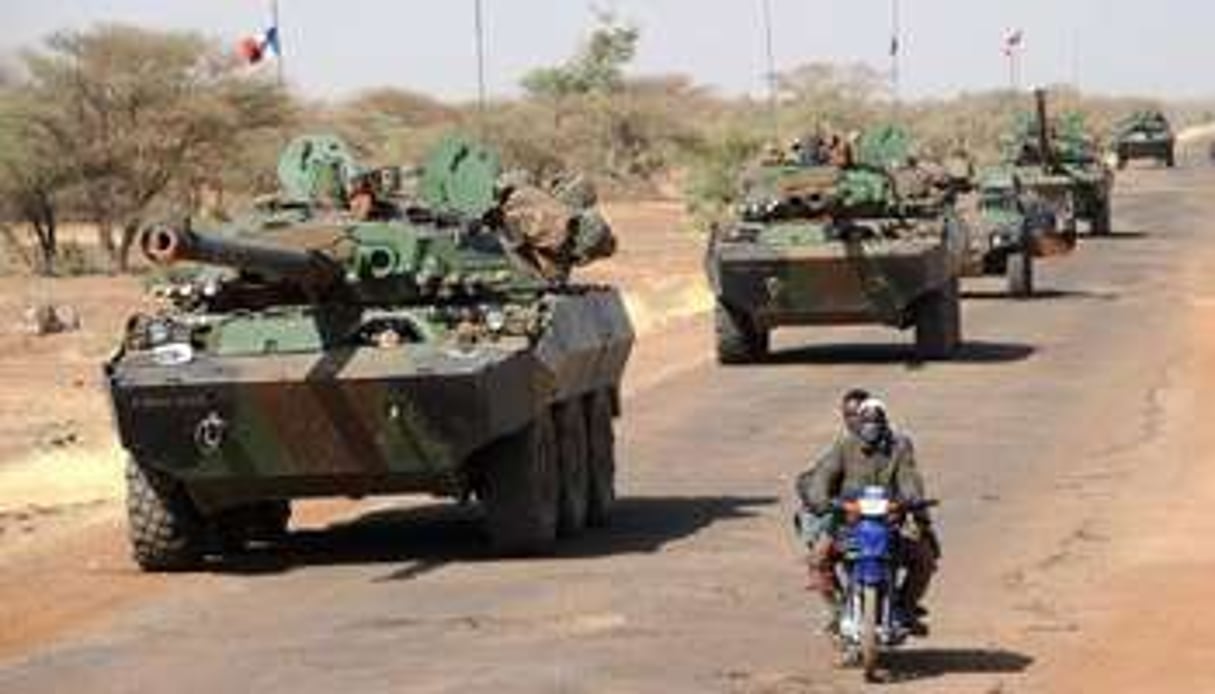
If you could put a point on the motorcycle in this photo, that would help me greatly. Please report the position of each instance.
(869, 574)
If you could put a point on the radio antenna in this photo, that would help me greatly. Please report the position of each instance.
(770, 50)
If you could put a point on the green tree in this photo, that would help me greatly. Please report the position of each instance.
(137, 116)
(32, 183)
(597, 67)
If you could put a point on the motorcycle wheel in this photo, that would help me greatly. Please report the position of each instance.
(869, 646)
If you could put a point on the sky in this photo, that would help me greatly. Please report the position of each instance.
(334, 48)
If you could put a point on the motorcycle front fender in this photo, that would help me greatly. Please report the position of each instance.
(871, 543)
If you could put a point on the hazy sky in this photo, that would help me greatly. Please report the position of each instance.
(1159, 47)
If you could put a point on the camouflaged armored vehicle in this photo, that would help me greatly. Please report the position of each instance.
(1012, 227)
(352, 339)
(1007, 227)
(821, 244)
(1049, 154)
(1145, 135)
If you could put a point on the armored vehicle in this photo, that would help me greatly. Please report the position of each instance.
(1012, 227)
(1145, 135)
(1046, 154)
(820, 244)
(1006, 226)
(354, 338)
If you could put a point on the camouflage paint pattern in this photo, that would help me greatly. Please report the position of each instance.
(358, 420)
(825, 246)
(329, 355)
(1006, 216)
(1042, 150)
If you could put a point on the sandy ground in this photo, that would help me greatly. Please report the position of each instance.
(1149, 599)
(1077, 550)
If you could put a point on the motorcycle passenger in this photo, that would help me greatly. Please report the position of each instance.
(868, 453)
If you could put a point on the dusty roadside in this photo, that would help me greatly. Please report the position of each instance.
(1146, 607)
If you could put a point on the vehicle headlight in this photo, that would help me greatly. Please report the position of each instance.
(174, 354)
(495, 319)
(157, 332)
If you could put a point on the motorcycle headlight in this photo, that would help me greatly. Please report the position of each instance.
(872, 507)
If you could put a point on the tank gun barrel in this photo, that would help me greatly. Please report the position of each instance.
(164, 245)
(1049, 160)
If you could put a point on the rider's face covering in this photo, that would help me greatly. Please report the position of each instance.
(871, 432)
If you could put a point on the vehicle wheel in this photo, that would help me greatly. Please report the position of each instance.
(1170, 159)
(601, 454)
(575, 473)
(520, 487)
(1101, 219)
(167, 532)
(869, 645)
(1121, 163)
(739, 341)
(1020, 274)
(938, 321)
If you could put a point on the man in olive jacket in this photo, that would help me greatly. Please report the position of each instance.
(867, 453)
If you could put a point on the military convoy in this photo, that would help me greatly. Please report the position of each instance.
(1049, 154)
(1006, 227)
(402, 330)
(353, 338)
(1145, 135)
(1024, 209)
(822, 244)
(884, 238)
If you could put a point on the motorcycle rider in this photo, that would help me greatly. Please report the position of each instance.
(815, 526)
(869, 452)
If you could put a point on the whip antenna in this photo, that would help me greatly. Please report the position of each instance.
(479, 23)
(769, 45)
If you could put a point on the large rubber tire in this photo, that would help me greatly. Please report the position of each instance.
(166, 531)
(869, 644)
(575, 468)
(1102, 219)
(1019, 272)
(739, 341)
(938, 323)
(601, 450)
(520, 487)
(1170, 159)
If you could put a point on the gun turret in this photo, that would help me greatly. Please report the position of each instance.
(312, 271)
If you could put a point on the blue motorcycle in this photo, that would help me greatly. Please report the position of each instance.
(869, 575)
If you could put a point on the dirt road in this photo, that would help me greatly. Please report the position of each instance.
(1059, 441)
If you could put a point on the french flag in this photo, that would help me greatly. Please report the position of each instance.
(254, 49)
(1013, 40)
